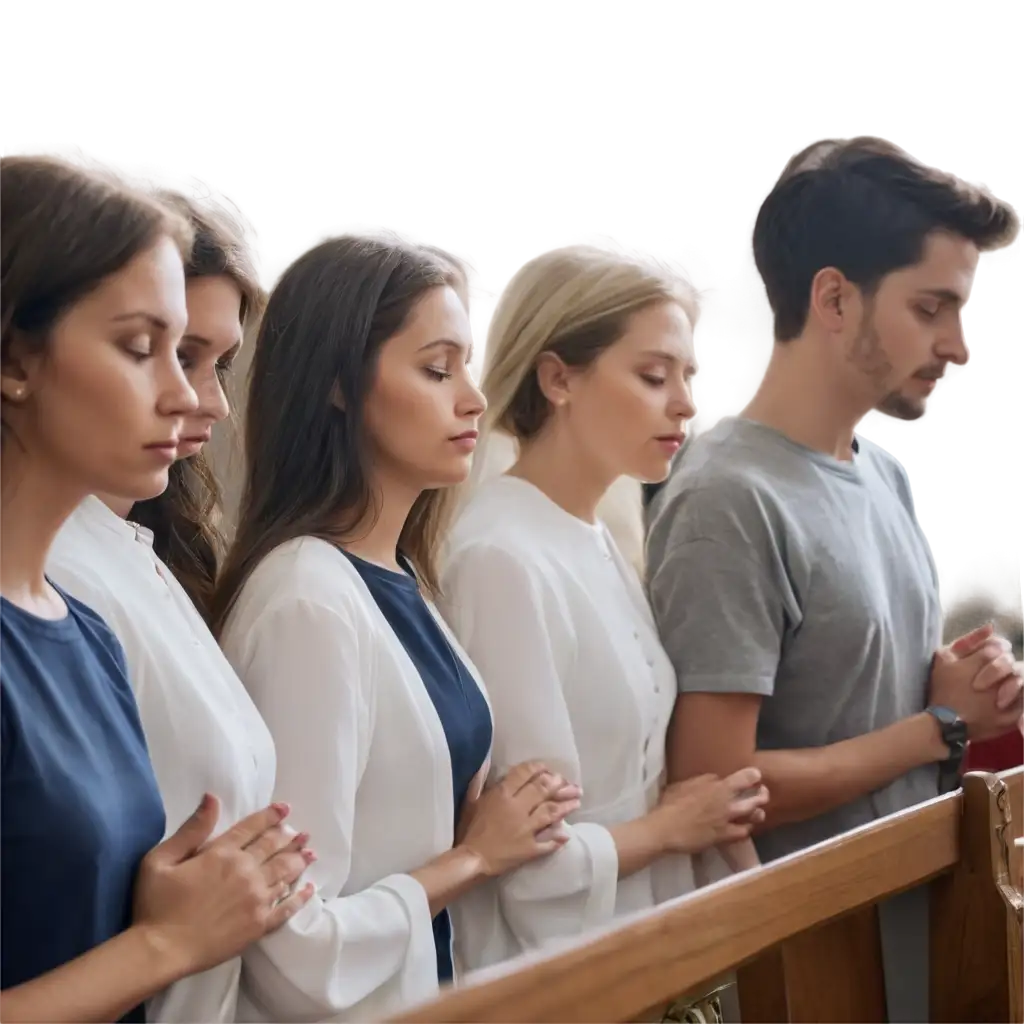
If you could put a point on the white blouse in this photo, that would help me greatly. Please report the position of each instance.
(556, 622)
(363, 760)
(204, 733)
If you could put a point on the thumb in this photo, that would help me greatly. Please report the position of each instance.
(193, 833)
(969, 642)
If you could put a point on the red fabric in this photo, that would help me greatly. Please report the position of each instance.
(995, 755)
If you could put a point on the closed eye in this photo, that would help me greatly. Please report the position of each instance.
(436, 373)
(652, 380)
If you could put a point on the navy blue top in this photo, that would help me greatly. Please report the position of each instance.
(79, 805)
(460, 705)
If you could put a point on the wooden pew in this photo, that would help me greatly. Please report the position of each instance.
(802, 931)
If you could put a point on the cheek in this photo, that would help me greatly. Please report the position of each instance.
(406, 415)
(92, 397)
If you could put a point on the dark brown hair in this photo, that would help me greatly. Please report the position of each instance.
(865, 207)
(307, 457)
(63, 231)
(185, 519)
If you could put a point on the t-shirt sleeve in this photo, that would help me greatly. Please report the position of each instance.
(718, 594)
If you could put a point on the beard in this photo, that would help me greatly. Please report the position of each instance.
(869, 357)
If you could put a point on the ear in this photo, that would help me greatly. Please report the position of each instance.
(16, 374)
(554, 379)
(337, 398)
(835, 301)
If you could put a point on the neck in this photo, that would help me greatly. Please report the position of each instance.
(34, 505)
(119, 506)
(803, 397)
(557, 468)
(376, 538)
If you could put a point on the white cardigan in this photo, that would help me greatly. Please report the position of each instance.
(557, 623)
(202, 730)
(363, 760)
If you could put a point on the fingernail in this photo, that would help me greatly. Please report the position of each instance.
(309, 856)
(282, 809)
(302, 838)
(204, 803)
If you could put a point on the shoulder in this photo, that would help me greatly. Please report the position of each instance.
(887, 467)
(304, 569)
(501, 515)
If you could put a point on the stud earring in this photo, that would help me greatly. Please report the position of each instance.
(18, 392)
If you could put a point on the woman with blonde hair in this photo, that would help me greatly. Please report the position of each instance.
(588, 369)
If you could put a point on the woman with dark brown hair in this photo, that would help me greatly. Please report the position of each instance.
(225, 301)
(361, 412)
(147, 567)
(97, 917)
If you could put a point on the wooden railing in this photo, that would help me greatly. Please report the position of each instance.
(802, 933)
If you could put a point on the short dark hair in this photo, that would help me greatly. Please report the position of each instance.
(308, 464)
(185, 519)
(865, 207)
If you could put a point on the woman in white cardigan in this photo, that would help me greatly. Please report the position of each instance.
(588, 367)
(203, 732)
(361, 411)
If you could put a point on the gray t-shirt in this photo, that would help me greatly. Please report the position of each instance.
(782, 571)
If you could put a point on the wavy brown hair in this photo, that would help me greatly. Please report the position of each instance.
(308, 469)
(185, 519)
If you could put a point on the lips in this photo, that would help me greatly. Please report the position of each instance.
(468, 435)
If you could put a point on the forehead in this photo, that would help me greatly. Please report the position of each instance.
(947, 264)
(663, 327)
(152, 283)
(437, 315)
(214, 308)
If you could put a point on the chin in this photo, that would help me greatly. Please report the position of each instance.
(143, 488)
(902, 407)
(654, 471)
(449, 476)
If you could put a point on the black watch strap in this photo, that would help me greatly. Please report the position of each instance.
(953, 731)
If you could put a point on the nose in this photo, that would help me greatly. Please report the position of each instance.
(682, 406)
(471, 400)
(177, 397)
(213, 402)
(952, 348)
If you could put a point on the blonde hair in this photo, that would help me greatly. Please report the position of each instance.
(574, 302)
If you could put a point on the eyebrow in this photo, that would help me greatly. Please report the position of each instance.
(669, 357)
(207, 343)
(141, 314)
(944, 295)
(449, 343)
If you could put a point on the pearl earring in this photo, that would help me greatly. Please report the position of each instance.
(18, 391)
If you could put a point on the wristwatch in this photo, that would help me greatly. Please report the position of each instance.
(953, 730)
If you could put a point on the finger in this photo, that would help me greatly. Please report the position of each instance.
(192, 834)
(740, 809)
(290, 906)
(287, 867)
(994, 673)
(520, 775)
(538, 791)
(550, 812)
(745, 778)
(969, 642)
(273, 841)
(735, 832)
(243, 832)
(548, 846)
(1009, 695)
(570, 791)
(758, 816)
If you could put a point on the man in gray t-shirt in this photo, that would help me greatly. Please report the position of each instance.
(786, 573)
(792, 586)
